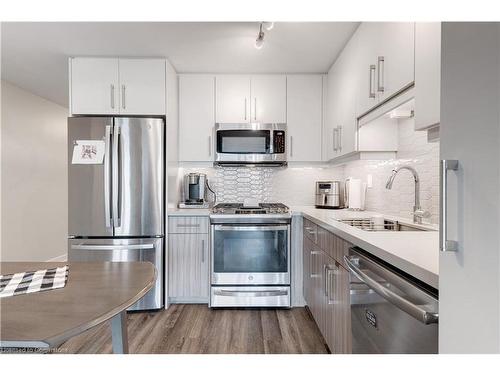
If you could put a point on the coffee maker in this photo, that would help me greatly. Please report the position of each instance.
(195, 191)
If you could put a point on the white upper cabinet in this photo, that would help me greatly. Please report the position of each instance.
(395, 57)
(94, 84)
(385, 63)
(196, 117)
(232, 99)
(142, 86)
(268, 99)
(245, 98)
(112, 86)
(427, 74)
(304, 95)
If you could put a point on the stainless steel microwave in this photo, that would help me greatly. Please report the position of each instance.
(250, 144)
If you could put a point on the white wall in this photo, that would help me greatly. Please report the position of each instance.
(414, 150)
(34, 177)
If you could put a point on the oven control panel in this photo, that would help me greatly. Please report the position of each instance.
(279, 142)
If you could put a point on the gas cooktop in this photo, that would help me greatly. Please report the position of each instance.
(240, 209)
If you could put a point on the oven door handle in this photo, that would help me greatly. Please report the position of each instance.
(426, 317)
(251, 293)
(250, 227)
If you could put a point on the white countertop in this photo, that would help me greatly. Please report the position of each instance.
(414, 252)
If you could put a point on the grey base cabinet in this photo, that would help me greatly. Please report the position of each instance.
(326, 285)
(188, 260)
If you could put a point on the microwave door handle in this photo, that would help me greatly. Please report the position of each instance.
(426, 317)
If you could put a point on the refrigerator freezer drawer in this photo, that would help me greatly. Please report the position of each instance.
(125, 250)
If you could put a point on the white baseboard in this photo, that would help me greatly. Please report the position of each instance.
(60, 258)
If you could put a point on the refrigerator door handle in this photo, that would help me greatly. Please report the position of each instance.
(107, 177)
(116, 177)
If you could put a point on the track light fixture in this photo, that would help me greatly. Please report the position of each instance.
(259, 42)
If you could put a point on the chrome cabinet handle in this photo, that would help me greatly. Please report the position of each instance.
(245, 108)
(426, 317)
(371, 91)
(202, 251)
(255, 108)
(107, 177)
(444, 243)
(112, 87)
(291, 146)
(325, 286)
(335, 133)
(311, 253)
(380, 74)
(340, 138)
(188, 225)
(209, 145)
(123, 97)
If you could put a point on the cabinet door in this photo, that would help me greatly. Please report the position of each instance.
(395, 57)
(232, 99)
(188, 264)
(304, 116)
(196, 117)
(341, 310)
(427, 74)
(268, 99)
(366, 66)
(94, 86)
(330, 126)
(142, 86)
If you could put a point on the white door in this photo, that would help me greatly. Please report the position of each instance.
(196, 117)
(268, 99)
(142, 86)
(304, 115)
(395, 64)
(232, 94)
(469, 279)
(348, 76)
(366, 65)
(94, 86)
(427, 74)
(331, 124)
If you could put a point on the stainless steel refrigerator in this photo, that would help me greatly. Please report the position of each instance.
(116, 206)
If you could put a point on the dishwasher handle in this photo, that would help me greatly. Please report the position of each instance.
(426, 317)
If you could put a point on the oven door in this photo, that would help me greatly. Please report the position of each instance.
(250, 254)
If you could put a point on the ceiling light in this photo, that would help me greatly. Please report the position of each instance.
(268, 25)
(401, 113)
(259, 42)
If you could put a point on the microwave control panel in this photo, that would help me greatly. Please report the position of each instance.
(279, 142)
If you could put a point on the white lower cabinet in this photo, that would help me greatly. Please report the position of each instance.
(188, 260)
(304, 115)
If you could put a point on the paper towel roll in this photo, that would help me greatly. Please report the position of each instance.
(355, 194)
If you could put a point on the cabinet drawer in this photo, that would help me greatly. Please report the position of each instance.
(188, 224)
(311, 231)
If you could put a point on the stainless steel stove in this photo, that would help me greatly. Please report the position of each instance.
(250, 257)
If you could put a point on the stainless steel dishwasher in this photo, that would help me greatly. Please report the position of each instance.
(390, 311)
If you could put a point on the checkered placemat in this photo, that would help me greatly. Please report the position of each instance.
(33, 281)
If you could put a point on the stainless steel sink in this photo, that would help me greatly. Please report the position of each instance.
(388, 226)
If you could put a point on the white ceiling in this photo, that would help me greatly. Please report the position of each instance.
(34, 55)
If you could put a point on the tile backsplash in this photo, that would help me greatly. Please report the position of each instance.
(293, 186)
(414, 150)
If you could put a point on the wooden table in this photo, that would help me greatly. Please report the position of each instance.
(94, 293)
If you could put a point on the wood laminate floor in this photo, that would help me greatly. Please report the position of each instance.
(196, 329)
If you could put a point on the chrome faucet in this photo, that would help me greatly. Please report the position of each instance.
(418, 213)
